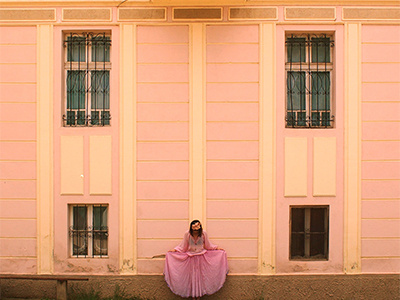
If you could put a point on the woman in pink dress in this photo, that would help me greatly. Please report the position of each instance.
(195, 267)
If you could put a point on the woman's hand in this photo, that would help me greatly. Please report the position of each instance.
(173, 250)
(218, 248)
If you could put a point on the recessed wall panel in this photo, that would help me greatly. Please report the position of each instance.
(72, 176)
(324, 175)
(100, 165)
(295, 167)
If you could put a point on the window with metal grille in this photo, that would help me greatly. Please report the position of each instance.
(309, 232)
(87, 71)
(88, 230)
(309, 69)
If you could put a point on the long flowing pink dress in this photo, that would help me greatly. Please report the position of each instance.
(197, 268)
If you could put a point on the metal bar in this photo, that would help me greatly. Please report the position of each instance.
(87, 73)
(317, 89)
(307, 223)
(327, 89)
(95, 91)
(104, 73)
(291, 76)
(69, 78)
(309, 85)
(100, 229)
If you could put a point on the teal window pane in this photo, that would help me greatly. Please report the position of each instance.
(326, 119)
(321, 90)
(105, 118)
(296, 91)
(296, 49)
(76, 49)
(100, 89)
(94, 117)
(301, 119)
(321, 49)
(101, 49)
(291, 119)
(315, 119)
(76, 89)
(71, 117)
(81, 118)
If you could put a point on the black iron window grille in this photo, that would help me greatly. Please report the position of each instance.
(309, 69)
(89, 231)
(309, 232)
(87, 70)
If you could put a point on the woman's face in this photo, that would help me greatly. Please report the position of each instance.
(196, 226)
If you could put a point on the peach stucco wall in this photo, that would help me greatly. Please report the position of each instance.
(194, 141)
(75, 172)
(162, 141)
(297, 164)
(380, 231)
(18, 149)
(232, 77)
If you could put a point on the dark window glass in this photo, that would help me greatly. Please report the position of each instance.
(321, 49)
(76, 49)
(296, 91)
(79, 231)
(309, 233)
(101, 49)
(296, 49)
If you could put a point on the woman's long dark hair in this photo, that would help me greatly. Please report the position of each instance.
(200, 230)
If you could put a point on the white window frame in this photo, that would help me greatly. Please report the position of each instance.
(309, 66)
(307, 233)
(85, 66)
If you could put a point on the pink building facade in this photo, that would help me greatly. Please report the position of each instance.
(277, 126)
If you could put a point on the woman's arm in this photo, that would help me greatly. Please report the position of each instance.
(184, 245)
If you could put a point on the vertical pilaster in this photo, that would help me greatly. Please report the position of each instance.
(352, 201)
(267, 149)
(197, 122)
(128, 239)
(44, 125)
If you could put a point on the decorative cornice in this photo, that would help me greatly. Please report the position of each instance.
(192, 3)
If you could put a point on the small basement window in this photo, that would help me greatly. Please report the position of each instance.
(309, 232)
(88, 230)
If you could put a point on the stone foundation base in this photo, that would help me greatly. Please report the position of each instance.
(236, 287)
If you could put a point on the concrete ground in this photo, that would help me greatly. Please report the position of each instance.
(368, 287)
